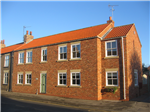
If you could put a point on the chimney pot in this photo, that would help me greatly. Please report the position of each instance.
(27, 32)
(30, 32)
(110, 18)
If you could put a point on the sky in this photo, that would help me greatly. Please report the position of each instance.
(45, 18)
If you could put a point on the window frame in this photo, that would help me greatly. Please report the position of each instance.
(29, 57)
(111, 48)
(111, 78)
(19, 78)
(62, 78)
(78, 43)
(71, 82)
(63, 52)
(28, 78)
(45, 48)
(136, 71)
(4, 77)
(7, 60)
(20, 58)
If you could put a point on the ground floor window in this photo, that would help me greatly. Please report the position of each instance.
(5, 79)
(28, 79)
(20, 79)
(75, 78)
(135, 77)
(62, 78)
(112, 78)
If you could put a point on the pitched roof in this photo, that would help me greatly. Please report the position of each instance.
(67, 36)
(10, 48)
(119, 31)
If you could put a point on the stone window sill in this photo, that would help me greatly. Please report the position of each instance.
(6, 66)
(111, 57)
(20, 64)
(19, 84)
(61, 86)
(43, 62)
(75, 59)
(27, 84)
(5, 84)
(112, 86)
(28, 63)
(75, 86)
(62, 60)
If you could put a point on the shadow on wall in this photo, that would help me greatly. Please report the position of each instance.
(135, 63)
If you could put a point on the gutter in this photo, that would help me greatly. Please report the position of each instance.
(123, 69)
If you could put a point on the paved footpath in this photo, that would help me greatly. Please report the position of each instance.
(140, 104)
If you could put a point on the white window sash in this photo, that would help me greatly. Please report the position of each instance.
(62, 52)
(62, 78)
(75, 79)
(75, 51)
(111, 78)
(21, 59)
(111, 48)
(5, 79)
(26, 82)
(44, 54)
(28, 57)
(6, 63)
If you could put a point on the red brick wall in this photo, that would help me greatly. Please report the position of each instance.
(88, 66)
(134, 61)
(108, 64)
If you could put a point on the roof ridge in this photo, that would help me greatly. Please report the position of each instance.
(70, 31)
(12, 45)
(123, 25)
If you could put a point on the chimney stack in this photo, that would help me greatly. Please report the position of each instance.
(111, 21)
(3, 44)
(28, 38)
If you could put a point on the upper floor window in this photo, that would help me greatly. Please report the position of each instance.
(62, 52)
(75, 51)
(135, 77)
(111, 78)
(111, 48)
(20, 78)
(44, 54)
(21, 57)
(29, 57)
(5, 78)
(6, 63)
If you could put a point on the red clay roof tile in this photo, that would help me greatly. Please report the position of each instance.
(67, 36)
(119, 31)
(10, 48)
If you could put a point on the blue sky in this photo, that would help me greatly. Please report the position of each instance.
(48, 18)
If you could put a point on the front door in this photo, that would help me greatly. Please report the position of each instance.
(43, 83)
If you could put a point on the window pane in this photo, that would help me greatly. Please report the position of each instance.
(61, 56)
(114, 81)
(29, 76)
(78, 82)
(65, 55)
(78, 54)
(64, 75)
(108, 52)
(64, 82)
(74, 55)
(60, 76)
(65, 49)
(73, 75)
(78, 47)
(60, 49)
(73, 81)
(114, 52)
(108, 75)
(77, 75)
(108, 45)
(73, 48)
(46, 52)
(60, 81)
(113, 44)
(109, 82)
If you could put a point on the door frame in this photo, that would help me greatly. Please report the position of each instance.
(41, 81)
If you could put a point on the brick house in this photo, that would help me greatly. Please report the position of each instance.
(81, 64)
(7, 65)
